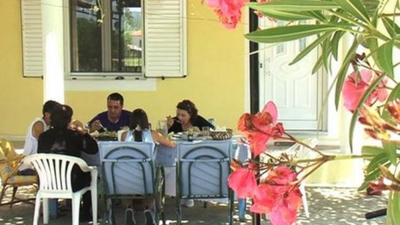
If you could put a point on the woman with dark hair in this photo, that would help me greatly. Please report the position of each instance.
(60, 139)
(139, 130)
(187, 117)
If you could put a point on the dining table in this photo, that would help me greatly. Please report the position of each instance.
(167, 156)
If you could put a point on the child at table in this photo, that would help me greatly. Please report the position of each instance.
(139, 130)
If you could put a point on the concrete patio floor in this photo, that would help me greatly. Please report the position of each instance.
(326, 206)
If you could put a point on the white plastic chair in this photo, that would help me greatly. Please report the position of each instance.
(300, 151)
(54, 172)
(241, 152)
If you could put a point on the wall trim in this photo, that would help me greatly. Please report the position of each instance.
(111, 85)
(11, 137)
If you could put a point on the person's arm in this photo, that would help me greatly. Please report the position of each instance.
(170, 121)
(162, 140)
(89, 144)
(201, 122)
(43, 144)
(37, 129)
(95, 124)
(124, 135)
(176, 127)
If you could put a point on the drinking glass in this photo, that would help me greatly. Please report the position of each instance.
(162, 127)
(205, 131)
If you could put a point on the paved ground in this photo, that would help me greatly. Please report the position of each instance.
(327, 206)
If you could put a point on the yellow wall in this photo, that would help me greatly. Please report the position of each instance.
(215, 79)
(20, 98)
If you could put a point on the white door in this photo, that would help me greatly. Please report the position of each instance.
(295, 90)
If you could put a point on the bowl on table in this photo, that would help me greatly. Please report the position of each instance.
(107, 136)
(221, 135)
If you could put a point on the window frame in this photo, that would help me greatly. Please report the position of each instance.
(69, 75)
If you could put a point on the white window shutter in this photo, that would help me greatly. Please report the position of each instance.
(165, 38)
(32, 44)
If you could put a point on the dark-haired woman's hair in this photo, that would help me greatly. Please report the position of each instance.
(189, 107)
(138, 123)
(61, 117)
(50, 106)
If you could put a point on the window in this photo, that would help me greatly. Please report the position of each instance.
(302, 44)
(109, 38)
(280, 49)
(106, 36)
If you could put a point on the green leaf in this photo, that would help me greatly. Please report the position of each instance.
(374, 173)
(286, 15)
(370, 177)
(363, 186)
(289, 33)
(390, 150)
(310, 47)
(372, 45)
(372, 6)
(393, 216)
(317, 15)
(378, 160)
(355, 8)
(294, 5)
(371, 150)
(335, 43)
(317, 65)
(341, 75)
(385, 58)
(354, 118)
(392, 28)
(326, 50)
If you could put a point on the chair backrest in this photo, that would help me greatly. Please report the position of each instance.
(127, 168)
(203, 169)
(297, 150)
(55, 170)
(7, 150)
(300, 151)
(240, 151)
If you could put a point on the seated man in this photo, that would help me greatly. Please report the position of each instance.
(38, 126)
(114, 118)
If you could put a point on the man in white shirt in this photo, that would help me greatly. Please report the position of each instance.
(38, 126)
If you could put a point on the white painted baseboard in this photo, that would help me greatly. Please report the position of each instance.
(11, 137)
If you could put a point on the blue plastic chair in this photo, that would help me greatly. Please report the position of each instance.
(129, 172)
(202, 170)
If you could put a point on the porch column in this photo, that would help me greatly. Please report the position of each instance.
(53, 54)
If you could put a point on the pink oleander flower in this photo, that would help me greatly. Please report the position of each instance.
(355, 86)
(243, 182)
(376, 187)
(259, 128)
(258, 142)
(228, 11)
(277, 197)
(245, 123)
